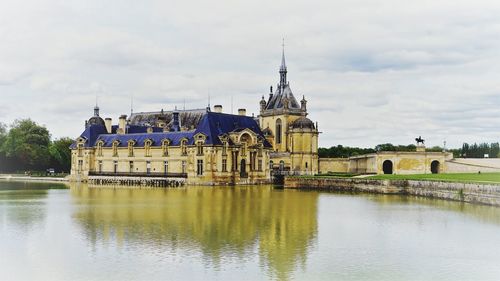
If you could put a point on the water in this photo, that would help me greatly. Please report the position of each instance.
(50, 232)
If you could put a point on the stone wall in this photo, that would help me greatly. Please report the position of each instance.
(473, 165)
(488, 194)
(333, 165)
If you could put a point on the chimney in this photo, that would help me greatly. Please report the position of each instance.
(242, 112)
(107, 122)
(122, 121)
(175, 122)
(218, 108)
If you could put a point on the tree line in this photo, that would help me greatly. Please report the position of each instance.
(27, 146)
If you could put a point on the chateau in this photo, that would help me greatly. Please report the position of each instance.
(201, 146)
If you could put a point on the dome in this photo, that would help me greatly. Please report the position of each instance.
(302, 123)
(267, 132)
(96, 120)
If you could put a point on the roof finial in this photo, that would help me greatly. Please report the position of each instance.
(283, 64)
(96, 108)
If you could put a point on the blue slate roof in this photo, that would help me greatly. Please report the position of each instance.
(212, 124)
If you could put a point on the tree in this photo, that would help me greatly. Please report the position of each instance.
(61, 154)
(26, 145)
(3, 135)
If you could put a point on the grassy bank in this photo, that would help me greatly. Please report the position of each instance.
(465, 177)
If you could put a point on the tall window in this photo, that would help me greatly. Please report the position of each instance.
(80, 166)
(224, 165)
(199, 148)
(99, 148)
(164, 147)
(278, 131)
(260, 165)
(80, 149)
(183, 166)
(165, 167)
(199, 167)
(184, 147)
(131, 166)
(224, 148)
(147, 148)
(148, 167)
(131, 148)
(115, 166)
(260, 150)
(115, 148)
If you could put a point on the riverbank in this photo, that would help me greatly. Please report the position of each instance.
(476, 193)
(32, 179)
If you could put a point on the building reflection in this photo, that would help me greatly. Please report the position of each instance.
(218, 222)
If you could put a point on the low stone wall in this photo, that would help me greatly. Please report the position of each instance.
(334, 165)
(488, 194)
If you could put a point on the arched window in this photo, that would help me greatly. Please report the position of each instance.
(164, 147)
(278, 131)
(147, 148)
(131, 148)
(184, 147)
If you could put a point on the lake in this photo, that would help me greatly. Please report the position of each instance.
(59, 232)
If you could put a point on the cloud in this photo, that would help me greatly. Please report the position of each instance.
(372, 71)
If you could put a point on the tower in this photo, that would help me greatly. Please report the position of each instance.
(283, 119)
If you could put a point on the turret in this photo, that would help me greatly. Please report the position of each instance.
(175, 121)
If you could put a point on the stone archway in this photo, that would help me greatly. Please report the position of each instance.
(435, 165)
(387, 167)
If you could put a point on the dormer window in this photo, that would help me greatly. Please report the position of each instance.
(224, 148)
(184, 147)
(164, 147)
(131, 144)
(99, 148)
(80, 149)
(115, 148)
(199, 147)
(147, 148)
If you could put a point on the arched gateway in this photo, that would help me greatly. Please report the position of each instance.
(387, 167)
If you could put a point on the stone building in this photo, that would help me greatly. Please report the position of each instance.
(293, 136)
(195, 147)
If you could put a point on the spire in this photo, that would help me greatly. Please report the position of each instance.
(283, 66)
(96, 108)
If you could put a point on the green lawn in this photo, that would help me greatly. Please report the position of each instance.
(469, 177)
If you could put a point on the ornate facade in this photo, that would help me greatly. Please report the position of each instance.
(201, 146)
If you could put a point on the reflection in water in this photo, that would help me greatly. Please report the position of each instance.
(22, 204)
(219, 222)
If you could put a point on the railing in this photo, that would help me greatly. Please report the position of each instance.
(125, 174)
(290, 173)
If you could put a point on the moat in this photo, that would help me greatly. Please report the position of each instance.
(49, 231)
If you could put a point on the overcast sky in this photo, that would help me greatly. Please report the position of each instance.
(372, 71)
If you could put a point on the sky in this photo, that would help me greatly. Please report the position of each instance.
(372, 71)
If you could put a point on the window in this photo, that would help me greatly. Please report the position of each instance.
(306, 165)
(278, 131)
(184, 147)
(260, 150)
(199, 148)
(260, 165)
(80, 149)
(99, 165)
(131, 166)
(131, 148)
(147, 148)
(115, 166)
(148, 167)
(115, 149)
(164, 147)
(252, 161)
(165, 167)
(224, 165)
(183, 167)
(199, 167)
(224, 148)
(99, 148)
(271, 163)
(80, 166)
